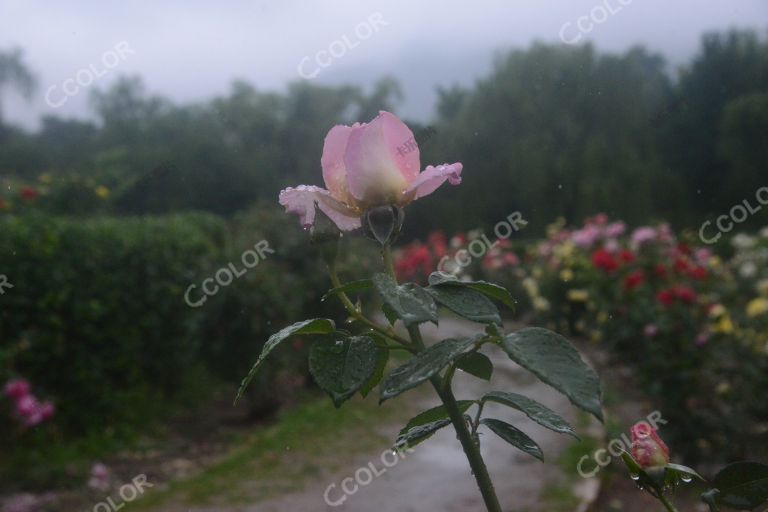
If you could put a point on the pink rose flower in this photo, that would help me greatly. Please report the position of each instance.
(362, 169)
(16, 388)
(647, 447)
(26, 405)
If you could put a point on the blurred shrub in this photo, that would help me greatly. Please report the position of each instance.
(95, 317)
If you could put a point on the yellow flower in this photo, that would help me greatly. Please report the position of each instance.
(602, 317)
(724, 325)
(757, 307)
(566, 274)
(45, 178)
(540, 304)
(596, 336)
(575, 295)
(102, 191)
(531, 288)
(762, 287)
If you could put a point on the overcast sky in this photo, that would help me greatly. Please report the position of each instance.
(190, 50)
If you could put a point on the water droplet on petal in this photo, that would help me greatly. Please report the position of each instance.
(686, 478)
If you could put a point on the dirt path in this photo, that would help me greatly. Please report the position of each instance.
(436, 476)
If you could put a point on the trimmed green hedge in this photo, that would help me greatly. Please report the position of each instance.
(95, 319)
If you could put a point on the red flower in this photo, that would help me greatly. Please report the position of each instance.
(660, 271)
(28, 193)
(699, 273)
(666, 297)
(438, 242)
(647, 447)
(602, 259)
(681, 265)
(634, 280)
(627, 256)
(685, 294)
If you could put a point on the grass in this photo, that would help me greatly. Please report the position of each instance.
(282, 457)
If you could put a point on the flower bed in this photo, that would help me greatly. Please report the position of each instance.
(693, 324)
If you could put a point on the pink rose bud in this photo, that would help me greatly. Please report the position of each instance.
(647, 447)
(365, 166)
(17, 388)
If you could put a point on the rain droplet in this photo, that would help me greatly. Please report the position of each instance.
(686, 478)
(635, 476)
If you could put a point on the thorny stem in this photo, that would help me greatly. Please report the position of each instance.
(471, 449)
(442, 387)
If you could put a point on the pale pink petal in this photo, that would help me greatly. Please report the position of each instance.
(381, 160)
(332, 161)
(303, 199)
(432, 177)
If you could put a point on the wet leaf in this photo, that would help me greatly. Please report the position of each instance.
(539, 413)
(514, 437)
(553, 359)
(342, 366)
(314, 326)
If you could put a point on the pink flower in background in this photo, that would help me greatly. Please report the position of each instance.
(99, 479)
(26, 405)
(642, 235)
(650, 330)
(16, 388)
(587, 236)
(647, 447)
(614, 229)
(702, 255)
(362, 168)
(28, 409)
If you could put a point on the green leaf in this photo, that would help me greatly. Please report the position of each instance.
(342, 366)
(424, 365)
(539, 413)
(554, 360)
(638, 474)
(354, 286)
(381, 365)
(514, 437)
(466, 302)
(313, 326)
(389, 313)
(434, 414)
(477, 364)
(491, 290)
(674, 473)
(411, 303)
(742, 485)
(415, 435)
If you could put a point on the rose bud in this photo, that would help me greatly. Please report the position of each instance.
(647, 447)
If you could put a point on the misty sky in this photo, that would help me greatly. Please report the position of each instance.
(192, 50)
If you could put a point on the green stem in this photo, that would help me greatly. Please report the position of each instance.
(471, 449)
(670, 507)
(357, 315)
(386, 254)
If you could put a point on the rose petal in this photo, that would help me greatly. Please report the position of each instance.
(379, 162)
(303, 199)
(432, 177)
(332, 161)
